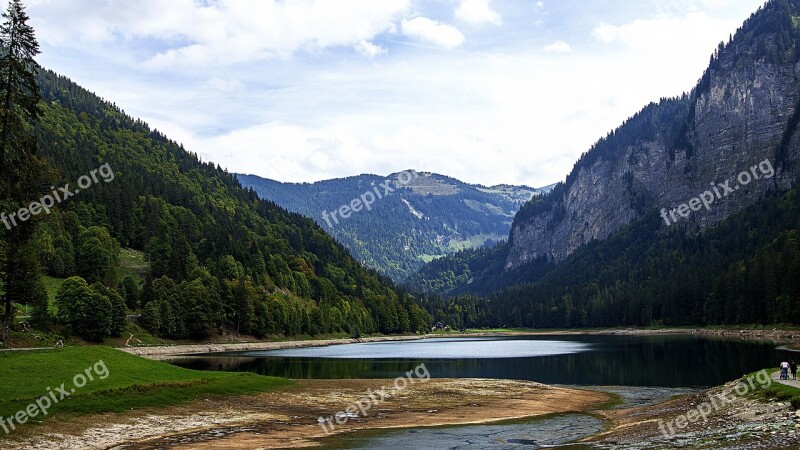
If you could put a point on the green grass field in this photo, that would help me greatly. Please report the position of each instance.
(778, 391)
(131, 382)
(52, 284)
(132, 262)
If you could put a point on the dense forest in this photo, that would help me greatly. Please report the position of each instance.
(219, 258)
(747, 270)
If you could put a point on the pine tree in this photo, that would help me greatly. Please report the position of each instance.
(41, 318)
(21, 172)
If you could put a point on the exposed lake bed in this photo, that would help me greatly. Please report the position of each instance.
(289, 418)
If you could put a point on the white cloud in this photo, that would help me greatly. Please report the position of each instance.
(433, 31)
(301, 103)
(294, 153)
(605, 33)
(221, 32)
(669, 34)
(287, 152)
(477, 12)
(369, 49)
(558, 47)
(226, 85)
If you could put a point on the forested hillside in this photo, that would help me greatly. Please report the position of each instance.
(747, 270)
(219, 257)
(425, 216)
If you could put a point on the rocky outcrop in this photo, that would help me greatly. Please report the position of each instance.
(743, 113)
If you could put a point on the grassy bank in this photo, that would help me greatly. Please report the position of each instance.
(121, 382)
(778, 391)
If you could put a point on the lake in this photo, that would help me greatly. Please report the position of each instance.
(591, 360)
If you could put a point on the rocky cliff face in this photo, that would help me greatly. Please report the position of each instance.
(743, 112)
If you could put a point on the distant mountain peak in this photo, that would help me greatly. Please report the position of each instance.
(417, 217)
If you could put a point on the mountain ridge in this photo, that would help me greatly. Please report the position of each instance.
(426, 216)
(744, 108)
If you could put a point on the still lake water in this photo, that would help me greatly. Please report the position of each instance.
(666, 361)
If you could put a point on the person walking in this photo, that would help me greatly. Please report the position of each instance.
(793, 369)
(784, 370)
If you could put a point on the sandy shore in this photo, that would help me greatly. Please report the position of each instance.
(289, 418)
(157, 352)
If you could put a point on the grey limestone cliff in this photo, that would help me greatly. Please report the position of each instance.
(743, 112)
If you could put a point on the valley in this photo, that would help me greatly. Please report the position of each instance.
(240, 224)
(420, 217)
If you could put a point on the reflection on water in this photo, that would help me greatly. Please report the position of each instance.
(673, 361)
(442, 348)
(534, 434)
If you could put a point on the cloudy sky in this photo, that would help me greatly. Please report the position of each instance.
(487, 91)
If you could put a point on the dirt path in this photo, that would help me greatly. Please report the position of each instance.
(30, 349)
(790, 382)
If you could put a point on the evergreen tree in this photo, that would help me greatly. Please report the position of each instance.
(40, 308)
(118, 312)
(21, 172)
(131, 292)
(97, 255)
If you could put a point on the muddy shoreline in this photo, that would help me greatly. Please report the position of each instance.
(164, 351)
(746, 423)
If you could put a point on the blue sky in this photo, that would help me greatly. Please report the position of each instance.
(487, 91)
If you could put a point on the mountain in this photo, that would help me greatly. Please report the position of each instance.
(415, 218)
(744, 110)
(219, 257)
(672, 217)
